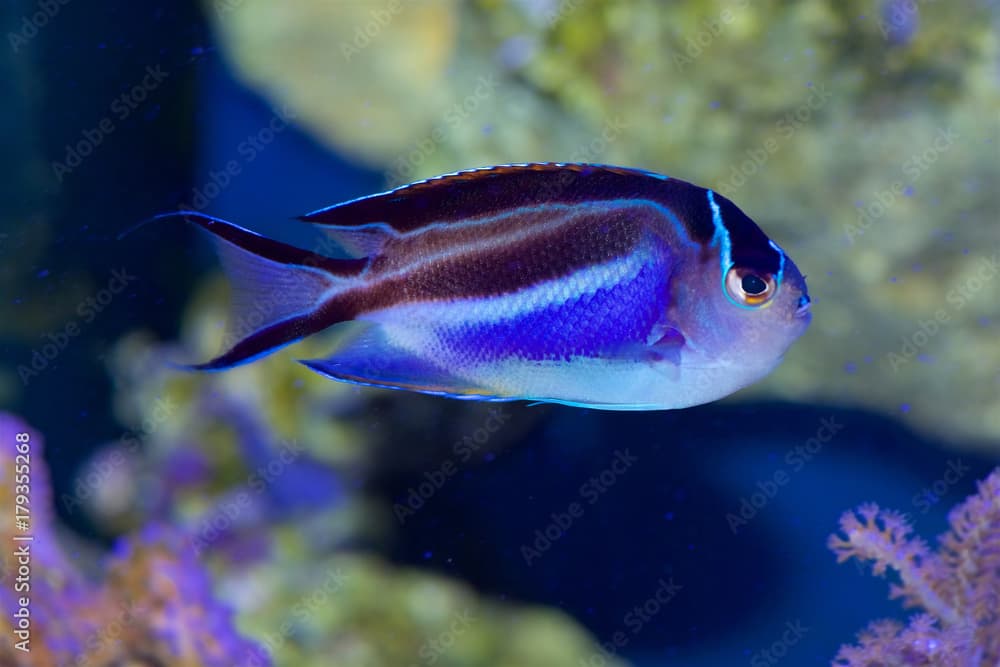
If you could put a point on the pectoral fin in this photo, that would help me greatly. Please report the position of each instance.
(666, 343)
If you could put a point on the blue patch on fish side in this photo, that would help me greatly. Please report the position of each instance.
(589, 325)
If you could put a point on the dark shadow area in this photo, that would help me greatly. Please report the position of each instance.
(672, 517)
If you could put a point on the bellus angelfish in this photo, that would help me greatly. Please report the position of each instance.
(581, 284)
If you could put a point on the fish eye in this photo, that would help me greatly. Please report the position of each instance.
(753, 284)
(750, 288)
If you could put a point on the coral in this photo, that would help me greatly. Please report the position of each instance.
(155, 604)
(355, 610)
(921, 643)
(958, 586)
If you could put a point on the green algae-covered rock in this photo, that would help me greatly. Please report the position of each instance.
(365, 76)
(356, 610)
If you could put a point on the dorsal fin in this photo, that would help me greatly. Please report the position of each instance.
(476, 192)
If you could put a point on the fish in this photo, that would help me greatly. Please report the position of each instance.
(586, 285)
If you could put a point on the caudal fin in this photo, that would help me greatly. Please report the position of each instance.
(280, 293)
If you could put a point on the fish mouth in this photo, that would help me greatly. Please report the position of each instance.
(804, 306)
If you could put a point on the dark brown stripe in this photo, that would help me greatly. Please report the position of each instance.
(595, 236)
(276, 251)
(456, 239)
(750, 246)
(490, 191)
(270, 338)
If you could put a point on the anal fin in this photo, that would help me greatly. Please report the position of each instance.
(369, 358)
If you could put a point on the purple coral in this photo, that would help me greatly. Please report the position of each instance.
(155, 603)
(958, 586)
(159, 570)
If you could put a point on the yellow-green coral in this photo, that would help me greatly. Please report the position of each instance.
(355, 610)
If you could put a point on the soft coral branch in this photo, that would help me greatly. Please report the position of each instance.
(958, 587)
(883, 537)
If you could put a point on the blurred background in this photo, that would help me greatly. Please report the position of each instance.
(266, 515)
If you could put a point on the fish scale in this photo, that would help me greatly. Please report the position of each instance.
(579, 322)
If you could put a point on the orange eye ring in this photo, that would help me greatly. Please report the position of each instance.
(749, 288)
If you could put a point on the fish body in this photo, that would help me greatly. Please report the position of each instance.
(580, 284)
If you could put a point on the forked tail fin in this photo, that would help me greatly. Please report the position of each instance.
(280, 293)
